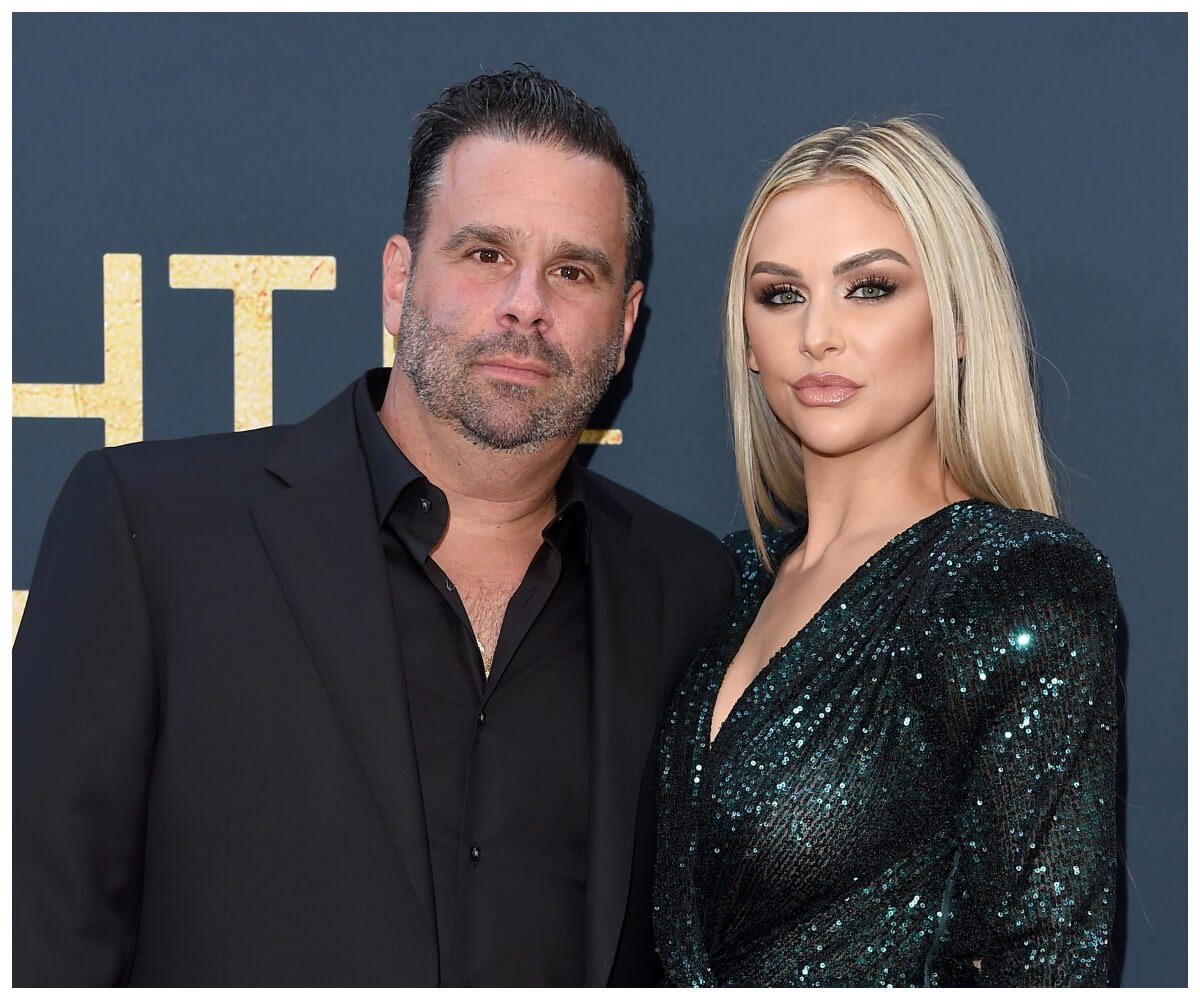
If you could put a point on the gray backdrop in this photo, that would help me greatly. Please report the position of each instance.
(161, 135)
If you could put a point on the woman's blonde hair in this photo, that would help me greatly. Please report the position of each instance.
(985, 414)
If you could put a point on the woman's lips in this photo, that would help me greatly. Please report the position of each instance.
(825, 389)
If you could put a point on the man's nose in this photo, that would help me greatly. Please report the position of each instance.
(524, 304)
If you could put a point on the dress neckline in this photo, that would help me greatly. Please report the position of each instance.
(790, 543)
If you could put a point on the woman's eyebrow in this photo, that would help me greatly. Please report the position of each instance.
(869, 257)
(771, 267)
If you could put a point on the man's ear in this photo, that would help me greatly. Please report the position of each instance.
(633, 302)
(397, 265)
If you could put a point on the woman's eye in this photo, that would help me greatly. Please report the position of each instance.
(782, 297)
(871, 288)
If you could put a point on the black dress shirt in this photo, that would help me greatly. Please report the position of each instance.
(503, 758)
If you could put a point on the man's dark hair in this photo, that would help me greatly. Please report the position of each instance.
(521, 105)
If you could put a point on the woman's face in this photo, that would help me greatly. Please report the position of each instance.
(838, 319)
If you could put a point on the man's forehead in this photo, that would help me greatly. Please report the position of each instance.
(481, 171)
(469, 149)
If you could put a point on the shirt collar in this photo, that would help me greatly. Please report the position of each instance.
(390, 470)
(392, 473)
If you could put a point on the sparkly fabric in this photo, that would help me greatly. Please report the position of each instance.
(921, 781)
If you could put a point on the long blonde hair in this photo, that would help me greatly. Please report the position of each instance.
(985, 414)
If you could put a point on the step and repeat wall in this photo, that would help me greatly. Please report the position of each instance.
(199, 206)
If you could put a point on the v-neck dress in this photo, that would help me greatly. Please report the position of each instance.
(918, 788)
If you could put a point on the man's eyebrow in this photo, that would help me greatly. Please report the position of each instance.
(594, 256)
(869, 257)
(474, 232)
(504, 236)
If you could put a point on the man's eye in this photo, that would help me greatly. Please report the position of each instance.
(571, 272)
(486, 255)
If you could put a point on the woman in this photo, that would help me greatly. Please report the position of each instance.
(894, 764)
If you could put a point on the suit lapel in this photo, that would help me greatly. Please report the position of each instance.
(626, 625)
(322, 538)
(323, 541)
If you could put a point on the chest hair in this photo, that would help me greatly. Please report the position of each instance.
(486, 572)
(486, 602)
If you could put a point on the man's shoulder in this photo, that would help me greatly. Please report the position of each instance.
(206, 466)
(694, 571)
(225, 464)
(227, 452)
(651, 524)
(198, 453)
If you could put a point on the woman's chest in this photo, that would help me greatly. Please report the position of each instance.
(836, 760)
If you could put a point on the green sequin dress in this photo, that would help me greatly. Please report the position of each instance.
(920, 781)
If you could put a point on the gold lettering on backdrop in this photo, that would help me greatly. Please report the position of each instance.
(252, 279)
(18, 609)
(596, 435)
(117, 400)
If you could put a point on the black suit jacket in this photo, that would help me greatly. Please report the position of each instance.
(214, 778)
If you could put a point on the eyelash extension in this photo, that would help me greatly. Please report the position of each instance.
(880, 281)
(770, 291)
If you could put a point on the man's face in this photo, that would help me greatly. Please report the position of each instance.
(513, 318)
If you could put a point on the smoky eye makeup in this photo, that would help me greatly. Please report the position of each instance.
(778, 294)
(871, 286)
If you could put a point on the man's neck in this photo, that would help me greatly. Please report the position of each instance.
(483, 485)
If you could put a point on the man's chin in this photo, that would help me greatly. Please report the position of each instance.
(521, 392)
(521, 436)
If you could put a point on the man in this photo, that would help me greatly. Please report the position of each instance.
(372, 699)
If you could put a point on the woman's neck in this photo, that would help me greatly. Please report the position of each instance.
(875, 492)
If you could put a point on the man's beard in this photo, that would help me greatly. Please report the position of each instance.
(494, 413)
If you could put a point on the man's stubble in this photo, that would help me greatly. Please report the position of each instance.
(492, 413)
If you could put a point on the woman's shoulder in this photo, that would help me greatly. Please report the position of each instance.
(1006, 539)
(1021, 597)
(777, 541)
(1007, 559)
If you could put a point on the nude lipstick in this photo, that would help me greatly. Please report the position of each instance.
(825, 389)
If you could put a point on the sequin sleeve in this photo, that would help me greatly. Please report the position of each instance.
(1030, 662)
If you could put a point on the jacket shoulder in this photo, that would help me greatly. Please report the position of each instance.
(189, 472)
(672, 536)
(196, 455)
(227, 464)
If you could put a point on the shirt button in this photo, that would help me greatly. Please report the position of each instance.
(475, 853)
(426, 506)
(482, 720)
